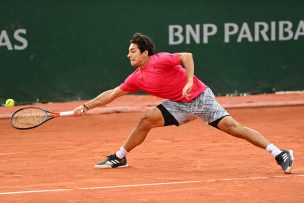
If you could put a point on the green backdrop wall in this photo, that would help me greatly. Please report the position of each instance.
(70, 50)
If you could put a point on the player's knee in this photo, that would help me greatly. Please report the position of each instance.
(149, 120)
(145, 121)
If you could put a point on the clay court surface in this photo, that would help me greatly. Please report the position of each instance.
(190, 163)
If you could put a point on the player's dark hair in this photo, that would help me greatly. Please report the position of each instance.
(143, 43)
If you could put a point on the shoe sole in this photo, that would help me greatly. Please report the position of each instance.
(109, 166)
(288, 170)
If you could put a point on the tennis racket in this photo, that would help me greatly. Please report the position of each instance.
(32, 117)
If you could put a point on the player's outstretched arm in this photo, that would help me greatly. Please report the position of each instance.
(101, 100)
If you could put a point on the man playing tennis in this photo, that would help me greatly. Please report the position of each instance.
(171, 76)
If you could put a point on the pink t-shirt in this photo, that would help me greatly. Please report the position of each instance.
(164, 77)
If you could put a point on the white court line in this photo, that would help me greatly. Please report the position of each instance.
(35, 191)
(147, 184)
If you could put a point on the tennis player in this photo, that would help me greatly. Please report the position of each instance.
(171, 76)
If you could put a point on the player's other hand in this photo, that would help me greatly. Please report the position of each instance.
(187, 90)
(80, 110)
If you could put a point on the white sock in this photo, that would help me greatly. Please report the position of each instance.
(273, 150)
(121, 153)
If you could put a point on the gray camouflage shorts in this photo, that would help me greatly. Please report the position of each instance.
(203, 106)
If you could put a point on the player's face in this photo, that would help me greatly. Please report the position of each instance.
(137, 59)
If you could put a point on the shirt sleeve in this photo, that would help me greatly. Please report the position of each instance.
(129, 85)
(168, 59)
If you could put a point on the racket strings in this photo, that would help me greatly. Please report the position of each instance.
(28, 118)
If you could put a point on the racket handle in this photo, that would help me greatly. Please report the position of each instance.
(66, 113)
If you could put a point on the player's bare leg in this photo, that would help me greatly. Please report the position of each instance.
(151, 119)
(284, 158)
(234, 128)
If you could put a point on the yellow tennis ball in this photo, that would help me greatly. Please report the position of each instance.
(9, 103)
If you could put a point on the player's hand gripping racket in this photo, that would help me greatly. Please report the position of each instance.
(32, 117)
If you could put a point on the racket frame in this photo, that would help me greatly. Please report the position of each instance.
(48, 116)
